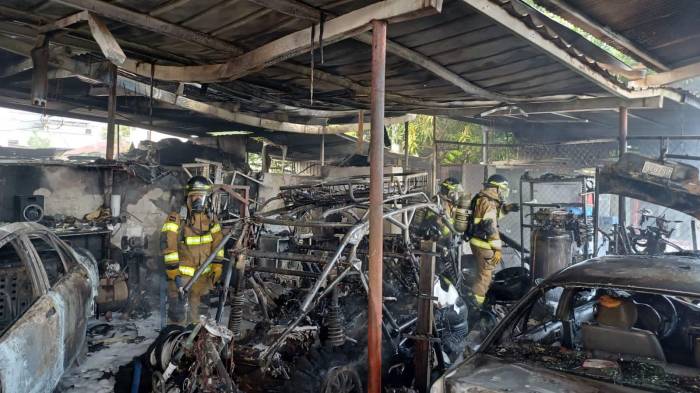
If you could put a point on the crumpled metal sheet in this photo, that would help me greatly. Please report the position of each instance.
(681, 192)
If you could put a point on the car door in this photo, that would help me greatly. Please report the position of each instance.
(69, 287)
(31, 358)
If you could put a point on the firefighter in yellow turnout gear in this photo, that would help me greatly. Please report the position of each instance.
(442, 226)
(186, 242)
(487, 207)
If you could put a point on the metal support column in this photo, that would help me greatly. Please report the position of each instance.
(433, 182)
(485, 152)
(360, 132)
(622, 149)
(424, 323)
(111, 110)
(323, 149)
(405, 147)
(376, 197)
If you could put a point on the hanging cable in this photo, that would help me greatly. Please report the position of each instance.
(320, 34)
(313, 38)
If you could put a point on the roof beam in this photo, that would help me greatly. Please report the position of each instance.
(150, 23)
(337, 80)
(97, 72)
(576, 63)
(184, 74)
(570, 106)
(301, 10)
(293, 8)
(105, 40)
(604, 33)
(294, 44)
(665, 78)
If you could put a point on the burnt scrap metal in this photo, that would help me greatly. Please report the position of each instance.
(296, 285)
(666, 183)
(189, 360)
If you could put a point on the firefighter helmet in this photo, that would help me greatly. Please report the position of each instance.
(500, 182)
(198, 189)
(451, 189)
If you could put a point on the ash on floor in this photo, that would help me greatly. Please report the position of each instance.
(109, 346)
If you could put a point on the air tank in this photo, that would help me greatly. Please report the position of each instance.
(552, 244)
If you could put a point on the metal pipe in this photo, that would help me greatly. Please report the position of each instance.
(433, 180)
(286, 256)
(621, 209)
(228, 272)
(284, 272)
(207, 262)
(485, 152)
(405, 146)
(424, 323)
(376, 210)
(111, 110)
(694, 235)
(323, 149)
(596, 204)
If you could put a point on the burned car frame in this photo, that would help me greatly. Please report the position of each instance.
(570, 349)
(298, 312)
(47, 292)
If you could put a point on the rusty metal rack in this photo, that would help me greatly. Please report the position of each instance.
(352, 189)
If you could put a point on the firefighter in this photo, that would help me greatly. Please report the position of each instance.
(187, 240)
(487, 207)
(443, 226)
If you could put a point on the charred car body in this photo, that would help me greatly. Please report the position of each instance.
(47, 292)
(618, 323)
(559, 338)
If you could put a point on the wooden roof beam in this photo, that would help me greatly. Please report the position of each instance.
(604, 33)
(557, 107)
(301, 10)
(665, 78)
(97, 72)
(294, 44)
(151, 23)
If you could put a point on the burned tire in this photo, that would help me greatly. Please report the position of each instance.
(326, 370)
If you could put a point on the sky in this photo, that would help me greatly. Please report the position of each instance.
(29, 129)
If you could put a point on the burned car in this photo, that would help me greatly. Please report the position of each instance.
(610, 324)
(47, 292)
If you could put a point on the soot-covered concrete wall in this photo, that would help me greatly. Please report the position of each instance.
(67, 190)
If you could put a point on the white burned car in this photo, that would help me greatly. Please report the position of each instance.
(47, 292)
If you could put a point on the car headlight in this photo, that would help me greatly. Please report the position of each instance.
(438, 386)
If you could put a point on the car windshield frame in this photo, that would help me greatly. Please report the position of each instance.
(494, 341)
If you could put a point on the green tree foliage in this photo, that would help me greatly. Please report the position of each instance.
(628, 60)
(421, 140)
(37, 141)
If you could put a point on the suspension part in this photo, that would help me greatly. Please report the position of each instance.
(334, 322)
(236, 317)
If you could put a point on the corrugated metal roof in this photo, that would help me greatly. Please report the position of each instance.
(668, 29)
(461, 39)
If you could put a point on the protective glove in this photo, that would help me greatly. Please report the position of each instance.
(511, 207)
(217, 268)
(497, 257)
(171, 273)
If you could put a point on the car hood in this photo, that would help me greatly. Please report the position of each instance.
(489, 374)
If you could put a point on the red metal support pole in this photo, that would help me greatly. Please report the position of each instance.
(111, 109)
(376, 221)
(622, 205)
